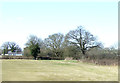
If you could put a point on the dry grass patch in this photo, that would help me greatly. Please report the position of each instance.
(56, 70)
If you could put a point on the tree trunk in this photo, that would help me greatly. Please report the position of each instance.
(83, 52)
(34, 57)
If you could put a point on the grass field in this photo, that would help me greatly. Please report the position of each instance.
(56, 70)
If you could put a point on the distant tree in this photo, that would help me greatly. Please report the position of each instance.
(111, 52)
(5, 47)
(82, 39)
(27, 52)
(10, 46)
(34, 44)
(18, 49)
(70, 51)
(14, 47)
(54, 43)
(95, 53)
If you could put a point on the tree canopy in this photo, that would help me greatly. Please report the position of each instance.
(54, 43)
(34, 44)
(82, 39)
(10, 46)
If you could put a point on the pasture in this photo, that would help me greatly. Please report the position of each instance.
(56, 70)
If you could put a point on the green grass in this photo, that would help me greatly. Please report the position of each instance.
(56, 70)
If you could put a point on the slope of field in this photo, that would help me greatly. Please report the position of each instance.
(56, 70)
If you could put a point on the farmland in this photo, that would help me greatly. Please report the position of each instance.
(56, 70)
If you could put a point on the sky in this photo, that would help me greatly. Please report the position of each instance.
(21, 18)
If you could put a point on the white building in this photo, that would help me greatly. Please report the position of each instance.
(14, 53)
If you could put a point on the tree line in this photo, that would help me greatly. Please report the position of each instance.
(77, 44)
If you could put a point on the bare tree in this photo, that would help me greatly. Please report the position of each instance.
(13, 46)
(83, 39)
(5, 47)
(54, 42)
(10, 46)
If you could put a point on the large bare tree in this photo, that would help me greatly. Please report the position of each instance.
(83, 39)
